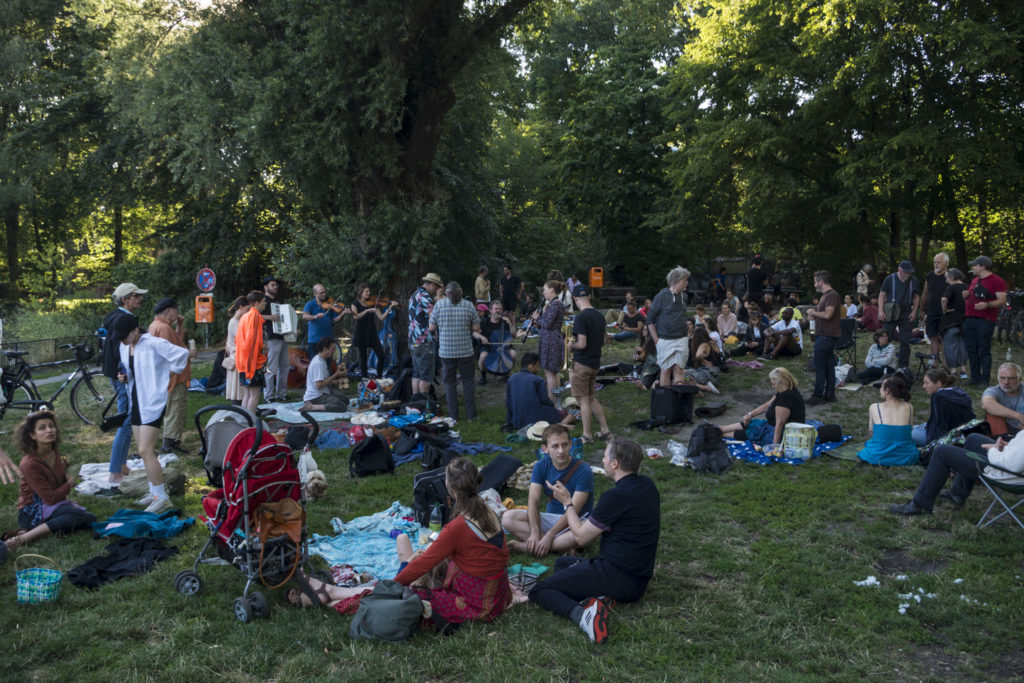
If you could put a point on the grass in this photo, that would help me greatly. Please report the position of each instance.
(754, 580)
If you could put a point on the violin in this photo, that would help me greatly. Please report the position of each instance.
(332, 305)
(379, 301)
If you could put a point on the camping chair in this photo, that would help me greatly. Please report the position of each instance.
(994, 486)
(846, 346)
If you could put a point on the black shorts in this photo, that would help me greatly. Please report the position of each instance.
(259, 381)
(137, 419)
(932, 323)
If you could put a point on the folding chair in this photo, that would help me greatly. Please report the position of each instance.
(992, 485)
(846, 347)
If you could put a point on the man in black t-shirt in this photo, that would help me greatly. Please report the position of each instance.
(490, 324)
(588, 331)
(628, 520)
(934, 287)
(756, 278)
(511, 290)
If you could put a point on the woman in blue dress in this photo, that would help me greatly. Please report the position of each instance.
(889, 424)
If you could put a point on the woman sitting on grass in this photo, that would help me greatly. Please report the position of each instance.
(881, 359)
(787, 405)
(472, 546)
(703, 363)
(43, 506)
(891, 442)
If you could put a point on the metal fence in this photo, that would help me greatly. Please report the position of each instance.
(46, 350)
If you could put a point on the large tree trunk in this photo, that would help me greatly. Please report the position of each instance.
(118, 234)
(11, 227)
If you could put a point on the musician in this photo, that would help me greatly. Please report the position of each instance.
(321, 314)
(421, 344)
(276, 371)
(364, 334)
(488, 326)
(321, 392)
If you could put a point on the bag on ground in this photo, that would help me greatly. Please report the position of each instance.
(372, 455)
(707, 451)
(386, 613)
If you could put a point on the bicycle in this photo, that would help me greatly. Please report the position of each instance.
(89, 394)
(1010, 323)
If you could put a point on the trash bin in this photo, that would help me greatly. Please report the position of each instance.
(596, 277)
(204, 308)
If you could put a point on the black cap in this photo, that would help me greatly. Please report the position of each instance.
(270, 278)
(983, 261)
(123, 325)
(164, 304)
(580, 291)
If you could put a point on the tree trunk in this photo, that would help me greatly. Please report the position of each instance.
(11, 226)
(954, 219)
(894, 242)
(118, 234)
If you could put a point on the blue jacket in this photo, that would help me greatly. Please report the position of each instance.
(527, 401)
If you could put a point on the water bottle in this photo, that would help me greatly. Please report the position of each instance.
(435, 518)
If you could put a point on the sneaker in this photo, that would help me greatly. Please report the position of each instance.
(594, 621)
(712, 388)
(955, 501)
(814, 401)
(146, 499)
(765, 356)
(159, 505)
(908, 509)
(482, 381)
(831, 399)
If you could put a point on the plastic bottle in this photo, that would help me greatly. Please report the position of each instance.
(435, 518)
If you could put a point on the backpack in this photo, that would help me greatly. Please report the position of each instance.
(428, 490)
(672, 405)
(707, 451)
(386, 613)
(371, 456)
(435, 456)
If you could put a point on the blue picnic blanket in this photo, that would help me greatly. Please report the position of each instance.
(139, 524)
(746, 451)
(365, 543)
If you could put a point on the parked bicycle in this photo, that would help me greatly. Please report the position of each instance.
(1010, 323)
(90, 390)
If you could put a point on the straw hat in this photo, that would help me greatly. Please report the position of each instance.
(535, 430)
(434, 278)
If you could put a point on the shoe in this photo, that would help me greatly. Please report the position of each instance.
(145, 500)
(955, 501)
(166, 446)
(594, 621)
(963, 375)
(814, 401)
(159, 505)
(482, 381)
(908, 509)
(712, 388)
(176, 447)
(831, 399)
(766, 356)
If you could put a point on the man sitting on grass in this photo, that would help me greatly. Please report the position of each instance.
(539, 533)
(628, 519)
(527, 400)
(320, 396)
(784, 338)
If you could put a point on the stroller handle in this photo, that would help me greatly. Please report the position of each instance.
(313, 432)
(231, 409)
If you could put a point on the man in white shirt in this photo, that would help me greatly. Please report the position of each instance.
(319, 395)
(784, 338)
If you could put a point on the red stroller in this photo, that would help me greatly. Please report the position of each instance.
(256, 470)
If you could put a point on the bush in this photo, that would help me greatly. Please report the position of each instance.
(69, 318)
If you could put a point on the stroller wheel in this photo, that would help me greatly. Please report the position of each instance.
(187, 582)
(243, 610)
(260, 608)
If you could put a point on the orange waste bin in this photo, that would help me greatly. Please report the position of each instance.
(596, 277)
(204, 308)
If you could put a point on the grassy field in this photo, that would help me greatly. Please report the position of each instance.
(754, 580)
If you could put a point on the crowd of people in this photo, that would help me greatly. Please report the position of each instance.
(451, 338)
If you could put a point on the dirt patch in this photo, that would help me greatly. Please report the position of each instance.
(898, 562)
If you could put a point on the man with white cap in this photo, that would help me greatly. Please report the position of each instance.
(128, 299)
(898, 300)
(985, 297)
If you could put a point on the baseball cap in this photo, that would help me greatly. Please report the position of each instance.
(983, 261)
(580, 291)
(126, 288)
(906, 266)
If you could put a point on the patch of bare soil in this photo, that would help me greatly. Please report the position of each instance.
(898, 562)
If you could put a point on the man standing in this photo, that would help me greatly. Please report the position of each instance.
(321, 320)
(482, 287)
(1006, 400)
(276, 388)
(985, 298)
(756, 278)
(934, 285)
(827, 330)
(898, 300)
(588, 330)
(455, 320)
(628, 520)
(539, 533)
(666, 323)
(128, 299)
(421, 344)
(168, 324)
(511, 290)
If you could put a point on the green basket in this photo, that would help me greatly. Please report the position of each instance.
(37, 584)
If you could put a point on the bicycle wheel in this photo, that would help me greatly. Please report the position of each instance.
(89, 397)
(23, 397)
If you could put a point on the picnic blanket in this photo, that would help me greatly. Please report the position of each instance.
(748, 452)
(365, 543)
(93, 476)
(289, 413)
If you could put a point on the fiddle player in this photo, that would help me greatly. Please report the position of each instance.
(321, 313)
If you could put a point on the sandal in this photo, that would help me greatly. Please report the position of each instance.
(319, 597)
(586, 440)
(603, 436)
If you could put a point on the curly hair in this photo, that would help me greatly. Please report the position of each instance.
(23, 432)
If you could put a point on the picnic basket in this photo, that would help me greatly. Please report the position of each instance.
(37, 584)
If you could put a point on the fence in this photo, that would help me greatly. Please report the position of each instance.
(46, 350)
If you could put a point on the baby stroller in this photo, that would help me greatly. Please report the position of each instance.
(252, 526)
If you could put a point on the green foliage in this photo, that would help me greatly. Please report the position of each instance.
(50, 320)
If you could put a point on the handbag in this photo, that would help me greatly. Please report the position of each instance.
(228, 363)
(111, 422)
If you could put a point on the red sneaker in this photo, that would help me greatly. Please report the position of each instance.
(594, 621)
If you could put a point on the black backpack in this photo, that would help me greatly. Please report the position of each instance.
(372, 455)
(707, 451)
(435, 456)
(672, 405)
(428, 490)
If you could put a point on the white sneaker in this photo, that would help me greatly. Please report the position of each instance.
(713, 388)
(594, 621)
(145, 500)
(159, 505)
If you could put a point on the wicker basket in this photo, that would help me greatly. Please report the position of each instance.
(37, 584)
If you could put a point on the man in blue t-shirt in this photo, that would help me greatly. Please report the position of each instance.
(539, 532)
(628, 520)
(320, 316)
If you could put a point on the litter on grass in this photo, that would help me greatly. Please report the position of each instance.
(870, 581)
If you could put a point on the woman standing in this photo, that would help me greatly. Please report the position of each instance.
(891, 442)
(233, 388)
(146, 366)
(249, 355)
(551, 343)
(43, 506)
(364, 335)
